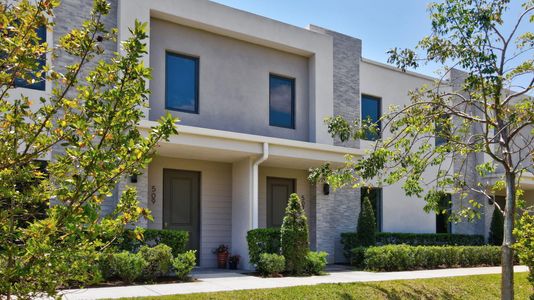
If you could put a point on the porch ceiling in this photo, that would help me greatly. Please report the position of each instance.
(223, 146)
(526, 182)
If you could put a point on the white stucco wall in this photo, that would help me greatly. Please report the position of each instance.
(400, 213)
(215, 201)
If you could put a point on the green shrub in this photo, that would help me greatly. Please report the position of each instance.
(271, 264)
(350, 240)
(262, 240)
(366, 224)
(176, 239)
(104, 265)
(184, 263)
(159, 260)
(405, 257)
(496, 228)
(294, 236)
(315, 262)
(357, 256)
(126, 266)
(524, 247)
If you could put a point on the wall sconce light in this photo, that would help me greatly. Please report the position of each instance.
(326, 189)
(133, 178)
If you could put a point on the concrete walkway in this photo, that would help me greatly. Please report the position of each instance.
(217, 281)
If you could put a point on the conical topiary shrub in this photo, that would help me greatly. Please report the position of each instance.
(366, 224)
(496, 228)
(294, 236)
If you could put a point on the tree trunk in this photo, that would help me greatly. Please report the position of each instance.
(507, 260)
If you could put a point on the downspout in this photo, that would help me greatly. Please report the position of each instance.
(255, 184)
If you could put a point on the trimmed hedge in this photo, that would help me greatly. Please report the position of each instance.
(176, 239)
(405, 257)
(271, 264)
(262, 240)
(350, 240)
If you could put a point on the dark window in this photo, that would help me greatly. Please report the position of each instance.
(40, 81)
(501, 201)
(371, 107)
(442, 219)
(443, 130)
(181, 83)
(281, 101)
(375, 196)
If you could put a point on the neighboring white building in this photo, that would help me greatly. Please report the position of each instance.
(252, 94)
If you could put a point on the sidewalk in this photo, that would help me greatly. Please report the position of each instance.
(217, 281)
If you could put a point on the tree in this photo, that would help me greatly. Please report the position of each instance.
(524, 232)
(294, 236)
(366, 224)
(484, 109)
(89, 124)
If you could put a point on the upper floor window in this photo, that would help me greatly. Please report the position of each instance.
(375, 197)
(181, 82)
(371, 114)
(281, 101)
(443, 130)
(39, 82)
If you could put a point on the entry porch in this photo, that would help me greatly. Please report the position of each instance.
(219, 185)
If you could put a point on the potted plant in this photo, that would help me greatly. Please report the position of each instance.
(233, 262)
(222, 256)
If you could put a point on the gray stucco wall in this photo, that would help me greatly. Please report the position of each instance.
(347, 57)
(233, 83)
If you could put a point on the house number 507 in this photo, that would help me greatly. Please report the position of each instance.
(153, 195)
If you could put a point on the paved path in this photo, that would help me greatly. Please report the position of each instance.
(213, 281)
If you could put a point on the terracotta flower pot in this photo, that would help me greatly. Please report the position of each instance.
(222, 259)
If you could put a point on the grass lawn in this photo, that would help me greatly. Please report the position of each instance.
(467, 287)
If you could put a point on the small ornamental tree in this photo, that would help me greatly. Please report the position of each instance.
(294, 236)
(366, 224)
(496, 228)
(473, 127)
(52, 233)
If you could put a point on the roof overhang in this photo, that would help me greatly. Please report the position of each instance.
(225, 146)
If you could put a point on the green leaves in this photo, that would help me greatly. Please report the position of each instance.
(90, 125)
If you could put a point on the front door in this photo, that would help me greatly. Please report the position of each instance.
(278, 191)
(181, 204)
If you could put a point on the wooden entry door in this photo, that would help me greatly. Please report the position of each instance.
(278, 191)
(181, 204)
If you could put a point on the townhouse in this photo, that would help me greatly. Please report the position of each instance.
(252, 94)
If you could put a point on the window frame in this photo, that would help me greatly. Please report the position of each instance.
(379, 213)
(196, 59)
(439, 140)
(293, 92)
(40, 85)
(379, 122)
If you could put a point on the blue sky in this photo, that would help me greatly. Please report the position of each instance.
(381, 24)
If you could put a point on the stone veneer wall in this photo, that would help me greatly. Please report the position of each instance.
(347, 57)
(70, 14)
(338, 212)
(335, 213)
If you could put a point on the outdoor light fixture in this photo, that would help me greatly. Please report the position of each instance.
(326, 189)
